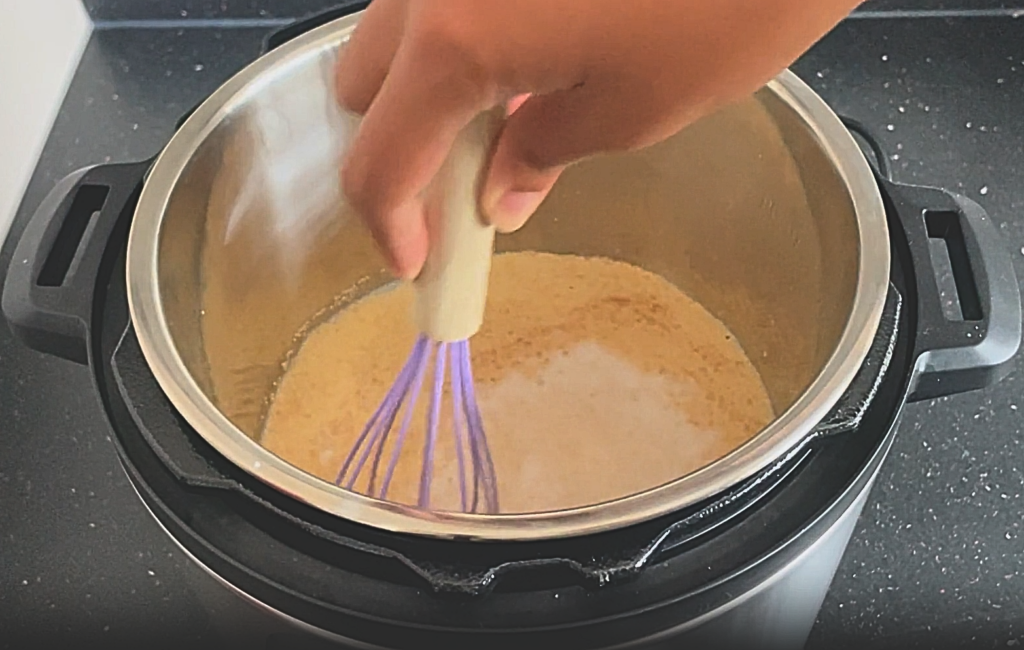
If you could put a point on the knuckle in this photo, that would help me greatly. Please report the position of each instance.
(449, 49)
(349, 95)
(534, 158)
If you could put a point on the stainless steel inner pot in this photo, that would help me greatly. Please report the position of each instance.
(766, 213)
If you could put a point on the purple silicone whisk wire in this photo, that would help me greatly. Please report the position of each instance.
(451, 294)
(467, 429)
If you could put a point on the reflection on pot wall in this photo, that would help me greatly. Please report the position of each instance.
(264, 235)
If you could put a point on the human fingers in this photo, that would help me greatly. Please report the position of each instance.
(364, 61)
(548, 132)
(402, 142)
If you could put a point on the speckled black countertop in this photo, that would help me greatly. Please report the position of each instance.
(938, 557)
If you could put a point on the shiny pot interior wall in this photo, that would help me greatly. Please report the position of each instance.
(743, 211)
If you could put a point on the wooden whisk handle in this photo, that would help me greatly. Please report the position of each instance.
(451, 290)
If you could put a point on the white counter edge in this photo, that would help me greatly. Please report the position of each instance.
(41, 42)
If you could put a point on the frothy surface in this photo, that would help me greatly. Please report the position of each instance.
(595, 379)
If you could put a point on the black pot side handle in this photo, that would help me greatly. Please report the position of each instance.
(48, 295)
(972, 350)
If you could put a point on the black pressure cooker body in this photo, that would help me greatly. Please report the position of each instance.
(747, 568)
(750, 566)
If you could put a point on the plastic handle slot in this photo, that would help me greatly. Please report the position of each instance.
(86, 205)
(948, 248)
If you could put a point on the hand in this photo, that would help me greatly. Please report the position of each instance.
(600, 75)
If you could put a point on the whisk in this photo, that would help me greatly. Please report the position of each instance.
(450, 294)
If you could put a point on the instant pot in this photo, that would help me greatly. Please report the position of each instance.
(851, 294)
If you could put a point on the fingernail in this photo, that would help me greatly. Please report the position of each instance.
(512, 210)
(404, 269)
(396, 271)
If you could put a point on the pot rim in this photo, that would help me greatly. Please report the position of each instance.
(765, 448)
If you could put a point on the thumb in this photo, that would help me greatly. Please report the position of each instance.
(546, 134)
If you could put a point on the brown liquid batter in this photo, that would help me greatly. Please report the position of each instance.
(595, 379)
